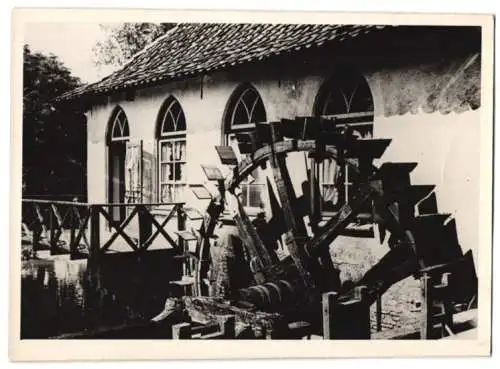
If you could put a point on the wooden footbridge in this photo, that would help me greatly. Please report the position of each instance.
(85, 230)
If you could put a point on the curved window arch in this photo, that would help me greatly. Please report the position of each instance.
(118, 128)
(245, 108)
(171, 118)
(171, 134)
(345, 96)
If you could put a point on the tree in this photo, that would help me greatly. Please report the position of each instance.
(124, 40)
(54, 137)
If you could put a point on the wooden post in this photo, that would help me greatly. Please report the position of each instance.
(379, 312)
(426, 314)
(227, 326)
(145, 226)
(53, 241)
(447, 320)
(329, 299)
(181, 331)
(95, 232)
(362, 314)
(73, 247)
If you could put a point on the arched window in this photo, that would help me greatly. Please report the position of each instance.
(245, 108)
(118, 126)
(346, 96)
(171, 135)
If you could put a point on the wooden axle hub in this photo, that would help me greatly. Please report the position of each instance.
(272, 296)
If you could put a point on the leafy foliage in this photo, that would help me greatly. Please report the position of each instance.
(54, 137)
(126, 39)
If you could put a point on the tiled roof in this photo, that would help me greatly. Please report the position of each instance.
(194, 48)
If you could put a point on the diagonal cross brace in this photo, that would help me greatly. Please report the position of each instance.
(119, 229)
(159, 228)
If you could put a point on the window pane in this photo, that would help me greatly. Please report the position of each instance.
(178, 172)
(166, 193)
(178, 192)
(329, 171)
(170, 172)
(125, 130)
(259, 113)
(240, 115)
(181, 123)
(168, 123)
(164, 172)
(163, 151)
(180, 151)
(116, 130)
(330, 194)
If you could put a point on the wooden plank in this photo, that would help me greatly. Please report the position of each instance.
(329, 300)
(378, 312)
(200, 191)
(257, 266)
(227, 155)
(82, 224)
(338, 222)
(254, 237)
(426, 306)
(296, 234)
(372, 149)
(95, 233)
(227, 326)
(428, 205)
(212, 173)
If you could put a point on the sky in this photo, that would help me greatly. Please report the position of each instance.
(72, 42)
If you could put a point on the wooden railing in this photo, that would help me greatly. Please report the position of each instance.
(77, 228)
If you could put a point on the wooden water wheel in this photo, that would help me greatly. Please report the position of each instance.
(420, 238)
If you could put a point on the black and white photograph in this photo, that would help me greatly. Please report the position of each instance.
(253, 180)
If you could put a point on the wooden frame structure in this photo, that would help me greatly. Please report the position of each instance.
(48, 220)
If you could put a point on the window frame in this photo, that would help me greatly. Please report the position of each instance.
(123, 123)
(323, 98)
(231, 129)
(171, 137)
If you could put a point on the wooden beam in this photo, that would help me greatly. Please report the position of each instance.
(329, 300)
(338, 222)
(95, 233)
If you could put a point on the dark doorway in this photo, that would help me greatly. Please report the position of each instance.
(116, 179)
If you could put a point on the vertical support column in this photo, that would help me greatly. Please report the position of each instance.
(95, 231)
(361, 314)
(52, 225)
(182, 245)
(314, 197)
(329, 300)
(73, 248)
(296, 234)
(145, 225)
(447, 319)
(426, 314)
